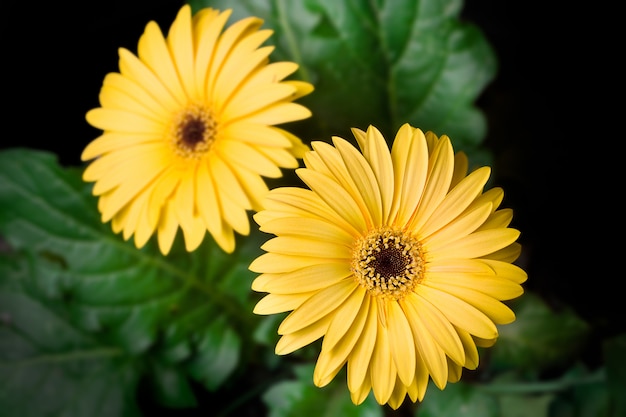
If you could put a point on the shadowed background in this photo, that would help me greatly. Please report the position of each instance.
(540, 109)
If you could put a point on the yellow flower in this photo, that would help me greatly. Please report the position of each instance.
(397, 259)
(189, 130)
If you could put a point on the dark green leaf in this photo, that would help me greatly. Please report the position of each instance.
(615, 361)
(218, 354)
(458, 400)
(537, 405)
(384, 63)
(172, 387)
(50, 367)
(300, 398)
(539, 338)
(586, 394)
(136, 299)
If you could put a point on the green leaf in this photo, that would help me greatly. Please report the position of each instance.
(300, 398)
(539, 338)
(383, 63)
(458, 400)
(136, 299)
(218, 355)
(48, 366)
(525, 405)
(615, 362)
(171, 387)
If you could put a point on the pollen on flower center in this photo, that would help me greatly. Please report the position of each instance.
(388, 263)
(193, 131)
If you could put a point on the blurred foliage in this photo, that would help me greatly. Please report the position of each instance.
(383, 63)
(89, 325)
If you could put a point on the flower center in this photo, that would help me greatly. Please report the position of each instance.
(193, 131)
(388, 263)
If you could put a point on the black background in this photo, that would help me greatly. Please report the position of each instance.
(549, 112)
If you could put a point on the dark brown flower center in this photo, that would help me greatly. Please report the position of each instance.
(388, 263)
(193, 131)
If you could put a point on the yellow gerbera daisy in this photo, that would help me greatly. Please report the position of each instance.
(397, 259)
(188, 130)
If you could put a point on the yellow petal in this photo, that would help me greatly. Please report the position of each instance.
(135, 70)
(398, 395)
(227, 184)
(271, 73)
(377, 153)
(302, 88)
(207, 200)
(497, 311)
(143, 174)
(295, 246)
(112, 170)
(207, 29)
(499, 219)
(117, 81)
(508, 254)
(347, 323)
(327, 367)
(462, 226)
(245, 156)
(438, 327)
(489, 284)
(293, 341)
(311, 228)
(456, 201)
(459, 313)
(184, 198)
(363, 177)
(359, 361)
(454, 371)
(114, 141)
(153, 51)
(383, 370)
(225, 44)
(474, 266)
(310, 278)
(418, 387)
(278, 263)
(360, 393)
(317, 306)
(123, 121)
(255, 133)
(235, 215)
(341, 336)
(116, 99)
(410, 163)
(440, 170)
(471, 352)
(335, 196)
(282, 157)
(242, 63)
(180, 46)
(461, 165)
(401, 342)
(254, 187)
(136, 209)
(279, 303)
(327, 161)
(167, 227)
(305, 203)
(431, 353)
(478, 244)
(279, 113)
(506, 270)
(255, 100)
